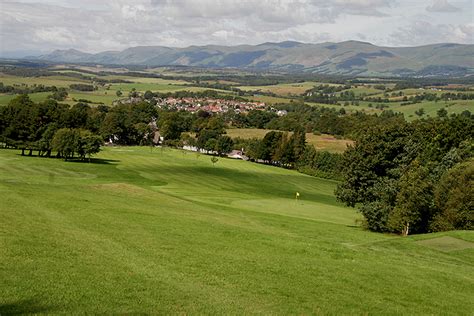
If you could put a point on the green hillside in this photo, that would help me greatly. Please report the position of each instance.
(157, 231)
(344, 58)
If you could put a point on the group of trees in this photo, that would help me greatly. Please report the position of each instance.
(48, 127)
(23, 88)
(278, 148)
(210, 136)
(331, 94)
(213, 141)
(58, 94)
(334, 94)
(457, 96)
(329, 121)
(32, 126)
(209, 130)
(327, 94)
(291, 151)
(448, 96)
(129, 124)
(68, 142)
(413, 177)
(82, 87)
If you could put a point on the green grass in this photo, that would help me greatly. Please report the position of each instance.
(283, 89)
(35, 97)
(320, 142)
(447, 243)
(362, 107)
(286, 89)
(165, 232)
(58, 81)
(99, 96)
(431, 108)
(147, 86)
(267, 99)
(358, 90)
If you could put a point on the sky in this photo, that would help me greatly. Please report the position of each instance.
(30, 27)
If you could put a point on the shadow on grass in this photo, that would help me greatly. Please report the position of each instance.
(355, 226)
(267, 185)
(22, 307)
(99, 161)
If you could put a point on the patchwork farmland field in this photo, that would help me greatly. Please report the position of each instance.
(283, 89)
(105, 95)
(163, 231)
(283, 92)
(430, 108)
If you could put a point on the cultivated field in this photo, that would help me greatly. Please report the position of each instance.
(321, 142)
(283, 89)
(430, 107)
(103, 94)
(284, 92)
(165, 232)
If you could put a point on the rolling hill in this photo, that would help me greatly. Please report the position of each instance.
(345, 58)
(141, 231)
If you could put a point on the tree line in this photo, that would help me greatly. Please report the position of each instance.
(291, 151)
(412, 177)
(48, 127)
(25, 89)
(24, 121)
(326, 94)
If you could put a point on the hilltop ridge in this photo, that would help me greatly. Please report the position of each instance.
(344, 58)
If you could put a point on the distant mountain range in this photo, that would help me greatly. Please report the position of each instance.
(345, 58)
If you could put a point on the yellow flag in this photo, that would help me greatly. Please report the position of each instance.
(297, 194)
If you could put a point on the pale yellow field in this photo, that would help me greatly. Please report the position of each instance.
(146, 80)
(283, 89)
(268, 100)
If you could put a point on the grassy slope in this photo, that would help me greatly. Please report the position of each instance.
(165, 232)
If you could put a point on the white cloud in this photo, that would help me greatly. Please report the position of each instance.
(59, 35)
(423, 32)
(442, 6)
(93, 26)
(132, 11)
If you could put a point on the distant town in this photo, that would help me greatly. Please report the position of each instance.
(211, 105)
